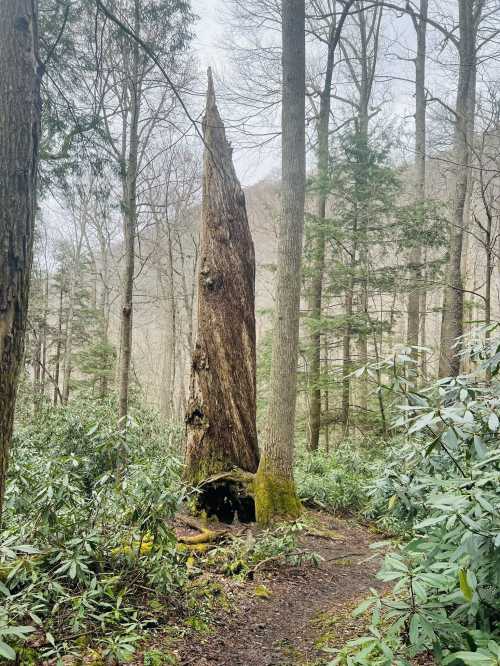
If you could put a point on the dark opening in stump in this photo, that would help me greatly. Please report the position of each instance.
(226, 500)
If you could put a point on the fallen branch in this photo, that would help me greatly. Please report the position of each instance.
(324, 534)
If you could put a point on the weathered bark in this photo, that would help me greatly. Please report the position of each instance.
(452, 325)
(19, 134)
(413, 325)
(275, 494)
(221, 412)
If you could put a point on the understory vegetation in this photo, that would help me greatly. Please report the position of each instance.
(441, 489)
(90, 561)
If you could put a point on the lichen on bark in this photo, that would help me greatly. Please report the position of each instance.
(275, 497)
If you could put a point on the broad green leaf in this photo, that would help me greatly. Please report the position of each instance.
(6, 651)
(481, 450)
(470, 659)
(428, 522)
(493, 422)
(414, 629)
(465, 588)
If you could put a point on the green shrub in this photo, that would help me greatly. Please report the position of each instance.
(335, 481)
(445, 485)
(98, 539)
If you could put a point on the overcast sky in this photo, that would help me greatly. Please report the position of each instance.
(251, 165)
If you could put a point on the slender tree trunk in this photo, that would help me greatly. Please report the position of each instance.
(365, 91)
(363, 255)
(19, 132)
(275, 494)
(412, 334)
(452, 325)
(57, 360)
(221, 426)
(44, 331)
(487, 287)
(346, 359)
(326, 364)
(37, 367)
(68, 348)
(318, 262)
(129, 178)
(423, 321)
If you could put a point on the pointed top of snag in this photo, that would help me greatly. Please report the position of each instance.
(212, 119)
(210, 89)
(218, 150)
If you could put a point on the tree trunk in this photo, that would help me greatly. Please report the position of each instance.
(346, 358)
(275, 494)
(318, 266)
(412, 333)
(326, 365)
(37, 367)
(57, 360)
(74, 276)
(129, 180)
(19, 131)
(221, 427)
(423, 322)
(452, 325)
(45, 330)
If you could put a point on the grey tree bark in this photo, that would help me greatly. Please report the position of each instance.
(129, 184)
(275, 494)
(414, 297)
(470, 12)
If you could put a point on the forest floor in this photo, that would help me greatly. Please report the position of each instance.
(286, 615)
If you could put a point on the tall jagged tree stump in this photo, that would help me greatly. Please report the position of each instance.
(221, 412)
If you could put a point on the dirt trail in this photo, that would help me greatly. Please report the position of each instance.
(308, 607)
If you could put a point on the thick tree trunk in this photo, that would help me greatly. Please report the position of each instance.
(452, 325)
(221, 413)
(413, 326)
(275, 494)
(19, 132)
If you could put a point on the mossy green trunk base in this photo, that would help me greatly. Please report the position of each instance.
(275, 498)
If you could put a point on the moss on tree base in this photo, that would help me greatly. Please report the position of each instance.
(275, 498)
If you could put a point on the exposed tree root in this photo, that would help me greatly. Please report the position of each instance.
(206, 536)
